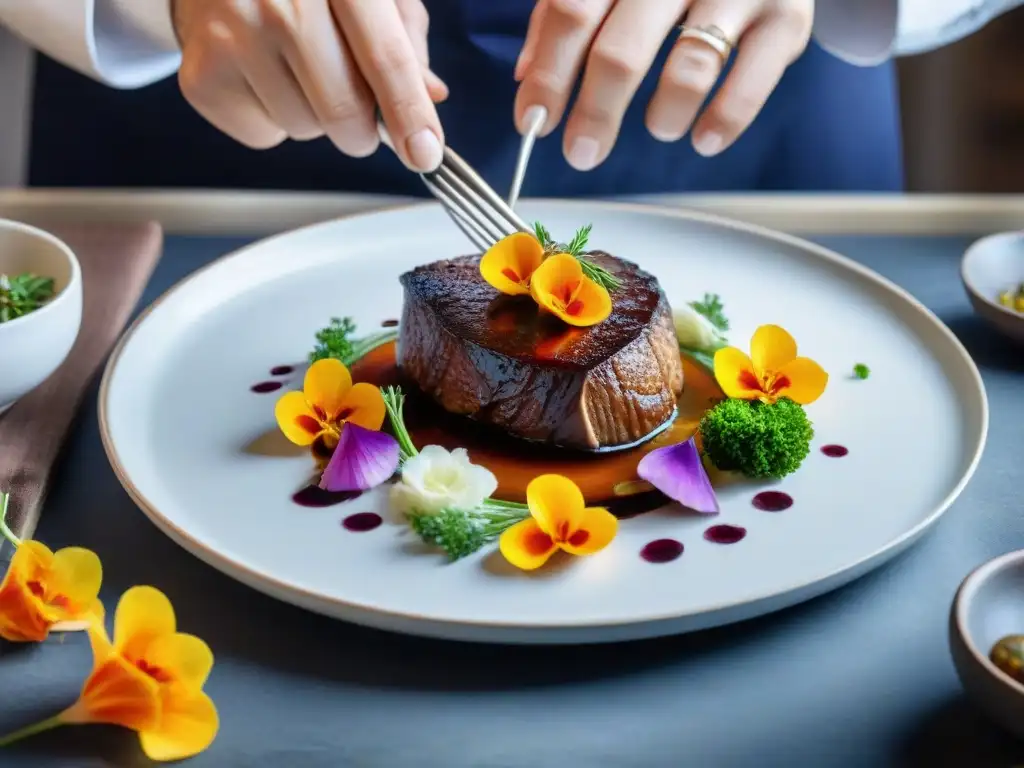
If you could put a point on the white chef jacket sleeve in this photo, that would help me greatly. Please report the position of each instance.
(123, 43)
(867, 32)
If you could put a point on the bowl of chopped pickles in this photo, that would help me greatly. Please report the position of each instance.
(986, 636)
(40, 307)
(993, 275)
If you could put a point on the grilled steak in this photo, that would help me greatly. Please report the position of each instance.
(502, 361)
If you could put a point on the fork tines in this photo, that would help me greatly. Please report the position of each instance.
(472, 204)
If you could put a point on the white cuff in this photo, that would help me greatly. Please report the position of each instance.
(134, 42)
(861, 32)
(98, 37)
(867, 32)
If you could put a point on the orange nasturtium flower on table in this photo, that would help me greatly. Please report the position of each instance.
(559, 520)
(149, 679)
(772, 370)
(509, 264)
(328, 399)
(44, 590)
(560, 287)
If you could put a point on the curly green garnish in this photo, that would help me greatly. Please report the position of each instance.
(757, 439)
(336, 341)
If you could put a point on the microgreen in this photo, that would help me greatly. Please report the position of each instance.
(861, 371)
(336, 341)
(24, 293)
(713, 311)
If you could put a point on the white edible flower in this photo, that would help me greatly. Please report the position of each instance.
(693, 330)
(436, 479)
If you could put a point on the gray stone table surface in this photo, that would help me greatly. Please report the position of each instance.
(861, 677)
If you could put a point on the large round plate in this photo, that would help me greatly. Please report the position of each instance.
(190, 441)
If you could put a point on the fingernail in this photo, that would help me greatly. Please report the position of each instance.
(664, 134)
(708, 144)
(583, 153)
(424, 150)
(534, 118)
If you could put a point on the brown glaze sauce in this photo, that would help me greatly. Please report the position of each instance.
(606, 479)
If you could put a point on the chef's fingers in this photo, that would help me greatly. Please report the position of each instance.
(619, 58)
(417, 24)
(213, 84)
(337, 95)
(387, 59)
(768, 48)
(564, 30)
(694, 66)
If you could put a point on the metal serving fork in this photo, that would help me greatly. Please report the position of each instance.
(470, 201)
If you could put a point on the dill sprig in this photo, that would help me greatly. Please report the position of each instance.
(24, 293)
(574, 248)
(336, 341)
(713, 311)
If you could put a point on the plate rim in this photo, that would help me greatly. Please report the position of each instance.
(388, 619)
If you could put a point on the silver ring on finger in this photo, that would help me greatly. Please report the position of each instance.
(709, 35)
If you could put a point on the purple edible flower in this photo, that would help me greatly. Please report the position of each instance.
(363, 459)
(677, 471)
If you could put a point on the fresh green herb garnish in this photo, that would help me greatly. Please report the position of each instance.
(575, 247)
(460, 533)
(861, 371)
(336, 341)
(758, 440)
(394, 402)
(5, 531)
(712, 310)
(24, 293)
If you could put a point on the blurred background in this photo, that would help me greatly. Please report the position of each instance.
(963, 112)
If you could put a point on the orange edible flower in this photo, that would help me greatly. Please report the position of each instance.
(560, 287)
(559, 520)
(328, 399)
(43, 590)
(149, 679)
(509, 264)
(772, 371)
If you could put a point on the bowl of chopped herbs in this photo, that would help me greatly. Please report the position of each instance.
(40, 307)
(993, 275)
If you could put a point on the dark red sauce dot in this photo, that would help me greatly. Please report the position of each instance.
(773, 501)
(835, 451)
(361, 522)
(389, 324)
(315, 496)
(725, 534)
(662, 551)
(281, 370)
(265, 386)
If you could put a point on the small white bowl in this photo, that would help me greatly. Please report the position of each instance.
(991, 266)
(988, 606)
(33, 346)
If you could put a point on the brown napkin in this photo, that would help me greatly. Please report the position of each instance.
(117, 262)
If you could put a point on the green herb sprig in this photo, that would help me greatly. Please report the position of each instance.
(336, 341)
(861, 371)
(5, 531)
(459, 532)
(24, 293)
(574, 248)
(713, 310)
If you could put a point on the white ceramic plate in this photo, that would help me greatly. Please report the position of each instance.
(189, 440)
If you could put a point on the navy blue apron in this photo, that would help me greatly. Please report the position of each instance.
(828, 127)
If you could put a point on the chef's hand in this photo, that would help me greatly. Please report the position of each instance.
(265, 70)
(614, 43)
